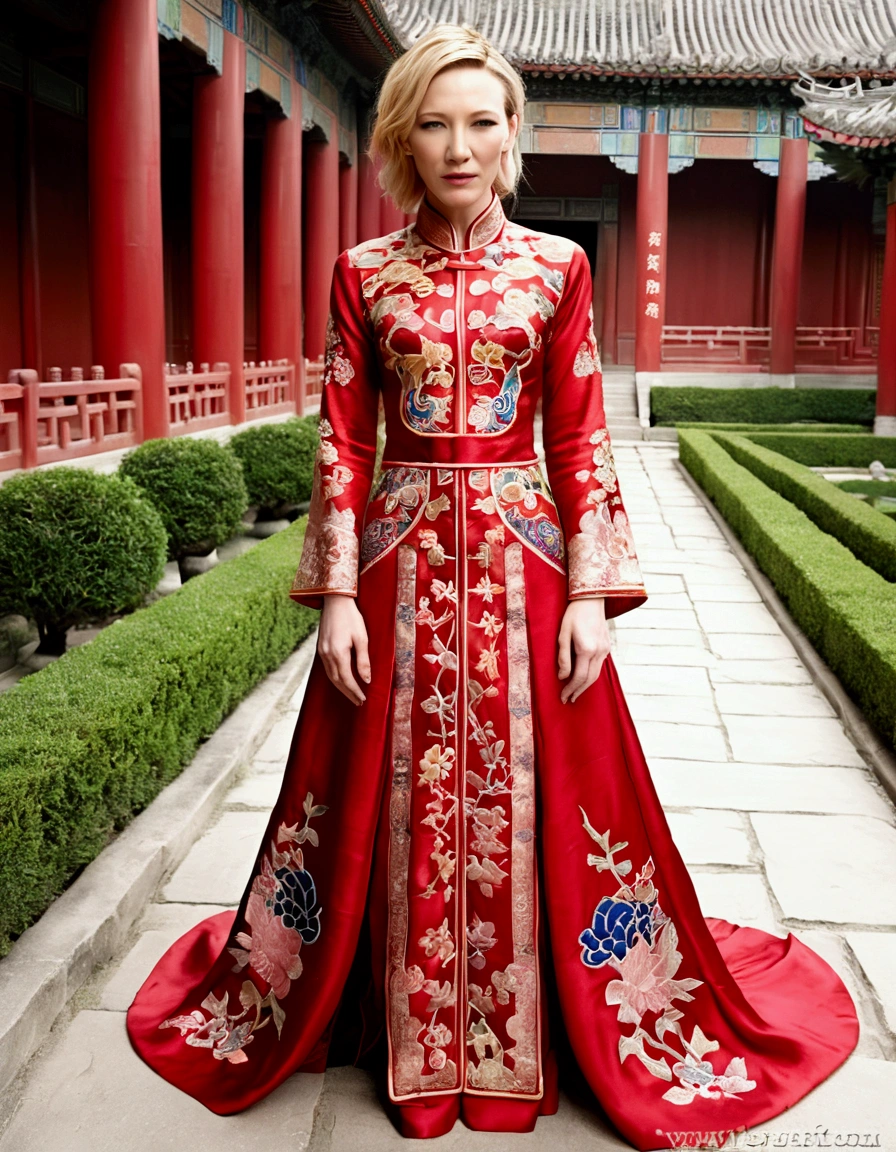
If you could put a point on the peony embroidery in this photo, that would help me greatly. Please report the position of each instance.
(631, 934)
(283, 913)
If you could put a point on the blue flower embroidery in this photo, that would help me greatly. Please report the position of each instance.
(614, 928)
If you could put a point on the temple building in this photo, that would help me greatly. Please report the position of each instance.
(177, 178)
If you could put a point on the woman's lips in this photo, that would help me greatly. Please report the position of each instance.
(459, 179)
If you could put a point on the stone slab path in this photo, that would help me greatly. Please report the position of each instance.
(778, 818)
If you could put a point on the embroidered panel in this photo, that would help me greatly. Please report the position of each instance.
(459, 342)
(397, 504)
(631, 934)
(463, 979)
(524, 502)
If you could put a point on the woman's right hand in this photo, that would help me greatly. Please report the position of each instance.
(342, 629)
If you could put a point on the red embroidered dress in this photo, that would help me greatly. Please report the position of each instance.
(438, 794)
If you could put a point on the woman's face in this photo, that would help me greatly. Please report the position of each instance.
(459, 135)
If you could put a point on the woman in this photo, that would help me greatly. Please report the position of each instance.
(464, 767)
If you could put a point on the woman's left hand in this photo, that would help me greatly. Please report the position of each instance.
(583, 645)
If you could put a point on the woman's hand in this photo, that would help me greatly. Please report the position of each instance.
(342, 629)
(584, 641)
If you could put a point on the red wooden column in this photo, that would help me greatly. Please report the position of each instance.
(885, 420)
(651, 245)
(321, 242)
(369, 194)
(348, 206)
(218, 284)
(787, 258)
(280, 263)
(124, 165)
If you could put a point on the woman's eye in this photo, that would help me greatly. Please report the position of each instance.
(431, 123)
(487, 123)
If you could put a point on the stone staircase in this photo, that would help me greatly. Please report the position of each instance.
(621, 404)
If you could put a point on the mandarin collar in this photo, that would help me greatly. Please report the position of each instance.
(437, 230)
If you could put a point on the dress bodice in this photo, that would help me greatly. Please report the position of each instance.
(460, 334)
(461, 337)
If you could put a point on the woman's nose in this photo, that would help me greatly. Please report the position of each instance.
(458, 148)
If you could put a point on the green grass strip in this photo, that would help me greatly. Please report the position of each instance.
(88, 742)
(845, 608)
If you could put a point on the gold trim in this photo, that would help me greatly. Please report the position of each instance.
(436, 229)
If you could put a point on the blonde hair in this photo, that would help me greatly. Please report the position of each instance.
(406, 82)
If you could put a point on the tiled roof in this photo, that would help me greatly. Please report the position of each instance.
(769, 38)
(848, 115)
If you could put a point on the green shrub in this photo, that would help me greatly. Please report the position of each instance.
(89, 741)
(870, 537)
(846, 609)
(197, 487)
(75, 546)
(808, 427)
(670, 404)
(278, 463)
(830, 450)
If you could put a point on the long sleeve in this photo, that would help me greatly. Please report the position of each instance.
(343, 468)
(581, 471)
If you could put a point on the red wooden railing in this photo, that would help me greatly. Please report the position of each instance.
(314, 376)
(270, 387)
(704, 345)
(837, 349)
(60, 419)
(832, 349)
(197, 400)
(12, 419)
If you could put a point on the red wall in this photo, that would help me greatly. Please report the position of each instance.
(836, 253)
(10, 316)
(60, 157)
(715, 222)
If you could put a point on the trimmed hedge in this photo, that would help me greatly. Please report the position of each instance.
(868, 535)
(197, 487)
(278, 461)
(809, 427)
(846, 609)
(829, 449)
(89, 741)
(669, 405)
(76, 546)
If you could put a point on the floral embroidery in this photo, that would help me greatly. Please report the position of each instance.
(437, 765)
(336, 366)
(586, 361)
(631, 933)
(602, 553)
(330, 549)
(284, 913)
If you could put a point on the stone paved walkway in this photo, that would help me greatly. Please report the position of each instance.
(778, 819)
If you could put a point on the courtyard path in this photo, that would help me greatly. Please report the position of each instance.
(778, 818)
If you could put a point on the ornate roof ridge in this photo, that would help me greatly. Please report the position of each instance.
(767, 38)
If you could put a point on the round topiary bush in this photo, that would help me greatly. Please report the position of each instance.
(75, 546)
(278, 463)
(197, 487)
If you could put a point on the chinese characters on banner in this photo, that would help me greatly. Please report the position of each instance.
(653, 286)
